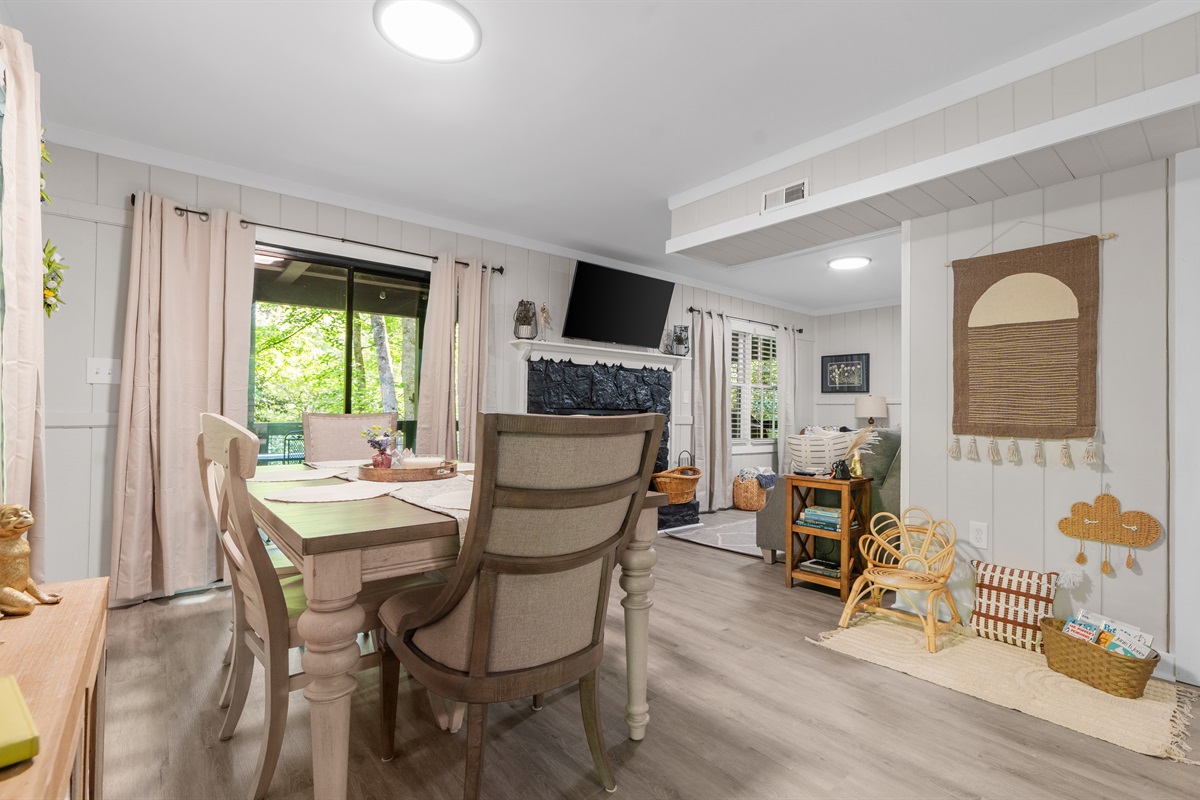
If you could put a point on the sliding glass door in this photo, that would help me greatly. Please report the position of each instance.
(331, 335)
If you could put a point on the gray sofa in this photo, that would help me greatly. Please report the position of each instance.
(882, 465)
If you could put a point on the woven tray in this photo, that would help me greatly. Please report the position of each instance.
(448, 469)
(1119, 675)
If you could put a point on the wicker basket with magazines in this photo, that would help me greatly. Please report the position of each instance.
(1117, 674)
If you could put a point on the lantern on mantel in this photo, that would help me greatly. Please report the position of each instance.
(525, 324)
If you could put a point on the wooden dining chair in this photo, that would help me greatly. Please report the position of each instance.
(338, 437)
(268, 608)
(554, 504)
(909, 554)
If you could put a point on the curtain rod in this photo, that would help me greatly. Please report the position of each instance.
(772, 325)
(180, 210)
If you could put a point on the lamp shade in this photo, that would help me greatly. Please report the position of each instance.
(870, 406)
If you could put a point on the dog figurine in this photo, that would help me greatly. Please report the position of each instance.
(18, 593)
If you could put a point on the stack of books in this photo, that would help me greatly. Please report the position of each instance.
(823, 517)
(1119, 637)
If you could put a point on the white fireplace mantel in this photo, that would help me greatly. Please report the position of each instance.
(582, 354)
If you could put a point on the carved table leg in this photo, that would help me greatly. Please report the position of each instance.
(637, 579)
(330, 627)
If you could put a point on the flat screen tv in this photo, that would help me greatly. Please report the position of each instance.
(610, 305)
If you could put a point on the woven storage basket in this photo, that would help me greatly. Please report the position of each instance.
(748, 495)
(1119, 675)
(816, 453)
(679, 483)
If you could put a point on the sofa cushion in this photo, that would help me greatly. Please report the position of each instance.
(1010, 604)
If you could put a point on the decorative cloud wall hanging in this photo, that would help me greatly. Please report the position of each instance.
(1025, 343)
(1103, 521)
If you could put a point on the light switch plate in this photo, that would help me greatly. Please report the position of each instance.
(104, 370)
(978, 534)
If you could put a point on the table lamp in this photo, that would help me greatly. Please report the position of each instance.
(870, 406)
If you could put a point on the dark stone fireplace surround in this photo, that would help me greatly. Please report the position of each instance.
(564, 387)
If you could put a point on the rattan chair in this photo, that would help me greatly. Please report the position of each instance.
(555, 503)
(267, 608)
(906, 555)
(338, 437)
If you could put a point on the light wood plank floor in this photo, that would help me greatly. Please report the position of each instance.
(741, 707)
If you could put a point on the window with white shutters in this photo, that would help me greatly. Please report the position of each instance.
(754, 387)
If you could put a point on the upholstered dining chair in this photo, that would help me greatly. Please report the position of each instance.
(267, 608)
(554, 504)
(338, 437)
(907, 554)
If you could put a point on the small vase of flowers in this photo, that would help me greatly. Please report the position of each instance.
(384, 442)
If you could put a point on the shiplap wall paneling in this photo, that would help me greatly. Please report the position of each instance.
(968, 483)
(1133, 371)
(875, 331)
(1070, 207)
(1183, 539)
(926, 409)
(1023, 503)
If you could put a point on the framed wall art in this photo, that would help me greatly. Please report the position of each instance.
(849, 373)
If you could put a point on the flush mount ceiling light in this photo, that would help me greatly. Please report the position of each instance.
(434, 30)
(849, 262)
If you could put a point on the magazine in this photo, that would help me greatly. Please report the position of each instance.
(1081, 630)
(820, 567)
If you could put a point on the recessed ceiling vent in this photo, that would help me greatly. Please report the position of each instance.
(785, 195)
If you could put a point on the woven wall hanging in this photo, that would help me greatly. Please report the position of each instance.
(1103, 521)
(1025, 325)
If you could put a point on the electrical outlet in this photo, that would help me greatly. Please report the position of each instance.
(104, 370)
(978, 534)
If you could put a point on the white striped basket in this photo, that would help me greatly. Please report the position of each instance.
(816, 453)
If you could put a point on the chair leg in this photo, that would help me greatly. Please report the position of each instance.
(856, 593)
(538, 701)
(931, 621)
(476, 728)
(229, 650)
(240, 673)
(589, 704)
(954, 616)
(274, 720)
(389, 693)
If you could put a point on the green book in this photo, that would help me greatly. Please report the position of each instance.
(18, 737)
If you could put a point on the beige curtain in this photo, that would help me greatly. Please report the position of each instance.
(435, 398)
(187, 350)
(22, 337)
(474, 284)
(785, 358)
(710, 382)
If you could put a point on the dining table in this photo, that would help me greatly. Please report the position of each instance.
(338, 545)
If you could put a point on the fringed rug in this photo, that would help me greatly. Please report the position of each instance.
(1155, 724)
(736, 537)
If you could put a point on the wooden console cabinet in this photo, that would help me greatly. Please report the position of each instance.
(57, 654)
(801, 539)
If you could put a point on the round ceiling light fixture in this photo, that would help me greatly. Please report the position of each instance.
(849, 262)
(433, 30)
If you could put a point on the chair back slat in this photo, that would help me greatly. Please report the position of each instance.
(338, 437)
(913, 542)
(555, 502)
(232, 450)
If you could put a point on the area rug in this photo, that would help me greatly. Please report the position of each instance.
(1154, 724)
(736, 537)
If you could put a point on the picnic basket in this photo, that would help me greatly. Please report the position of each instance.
(679, 484)
(1119, 675)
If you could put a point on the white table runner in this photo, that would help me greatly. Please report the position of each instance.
(444, 497)
(300, 474)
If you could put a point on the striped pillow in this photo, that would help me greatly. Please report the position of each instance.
(1010, 603)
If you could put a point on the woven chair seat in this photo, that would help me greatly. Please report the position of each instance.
(901, 578)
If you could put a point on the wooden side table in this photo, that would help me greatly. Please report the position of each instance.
(801, 539)
(57, 654)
